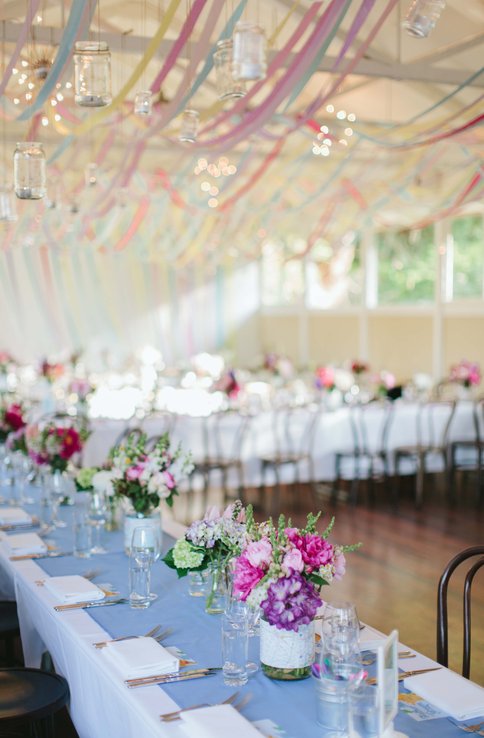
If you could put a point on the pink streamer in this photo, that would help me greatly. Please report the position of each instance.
(32, 8)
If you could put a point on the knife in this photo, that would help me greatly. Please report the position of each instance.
(175, 674)
(46, 555)
(85, 605)
(171, 680)
(405, 674)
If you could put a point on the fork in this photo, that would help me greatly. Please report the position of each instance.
(150, 634)
(238, 702)
(472, 728)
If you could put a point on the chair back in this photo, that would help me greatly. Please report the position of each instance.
(442, 612)
(294, 430)
(158, 423)
(133, 433)
(226, 434)
(433, 423)
(370, 426)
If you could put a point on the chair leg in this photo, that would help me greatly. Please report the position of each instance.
(419, 482)
(337, 478)
(276, 495)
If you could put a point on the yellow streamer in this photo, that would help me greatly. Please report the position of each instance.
(281, 25)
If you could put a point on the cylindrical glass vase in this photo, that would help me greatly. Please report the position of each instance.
(143, 103)
(30, 182)
(422, 17)
(189, 126)
(133, 519)
(249, 52)
(227, 86)
(286, 654)
(216, 590)
(92, 67)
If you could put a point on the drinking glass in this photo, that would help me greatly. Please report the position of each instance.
(364, 711)
(98, 510)
(341, 630)
(6, 473)
(332, 706)
(146, 543)
(82, 532)
(22, 468)
(57, 483)
(235, 638)
(197, 583)
(139, 579)
(46, 510)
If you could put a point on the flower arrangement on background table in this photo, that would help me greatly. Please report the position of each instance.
(12, 419)
(358, 367)
(53, 446)
(51, 372)
(228, 384)
(466, 373)
(325, 379)
(210, 543)
(278, 366)
(6, 362)
(282, 570)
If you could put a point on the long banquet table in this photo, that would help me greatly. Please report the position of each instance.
(101, 704)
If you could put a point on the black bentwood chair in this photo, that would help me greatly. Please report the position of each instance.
(29, 699)
(442, 619)
(9, 629)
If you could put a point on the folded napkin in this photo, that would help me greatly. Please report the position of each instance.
(218, 721)
(14, 516)
(139, 657)
(450, 692)
(73, 588)
(23, 544)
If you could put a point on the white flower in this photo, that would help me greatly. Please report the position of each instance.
(157, 485)
(102, 482)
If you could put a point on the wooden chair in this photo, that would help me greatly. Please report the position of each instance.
(29, 699)
(467, 455)
(226, 433)
(429, 442)
(9, 629)
(442, 616)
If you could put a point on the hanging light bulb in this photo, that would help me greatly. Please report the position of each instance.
(7, 206)
(92, 67)
(143, 103)
(249, 52)
(90, 174)
(422, 17)
(189, 126)
(227, 86)
(29, 170)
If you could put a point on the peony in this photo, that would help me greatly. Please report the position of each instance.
(133, 473)
(291, 601)
(315, 551)
(292, 560)
(259, 553)
(339, 566)
(102, 482)
(246, 577)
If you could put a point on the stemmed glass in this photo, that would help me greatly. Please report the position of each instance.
(98, 510)
(58, 492)
(5, 470)
(22, 469)
(146, 547)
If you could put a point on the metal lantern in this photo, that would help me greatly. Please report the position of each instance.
(189, 126)
(29, 176)
(7, 206)
(143, 103)
(227, 86)
(249, 52)
(422, 17)
(92, 65)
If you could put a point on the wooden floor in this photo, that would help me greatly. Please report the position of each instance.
(393, 577)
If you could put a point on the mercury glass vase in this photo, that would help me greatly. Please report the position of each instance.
(286, 654)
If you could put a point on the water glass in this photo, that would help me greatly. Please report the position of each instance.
(98, 511)
(46, 514)
(139, 581)
(146, 544)
(364, 711)
(235, 639)
(197, 583)
(82, 533)
(332, 706)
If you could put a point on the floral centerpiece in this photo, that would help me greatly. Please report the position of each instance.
(358, 367)
(145, 477)
(282, 570)
(210, 543)
(279, 366)
(54, 446)
(84, 478)
(94, 479)
(82, 388)
(228, 384)
(6, 362)
(51, 372)
(466, 373)
(11, 419)
(383, 382)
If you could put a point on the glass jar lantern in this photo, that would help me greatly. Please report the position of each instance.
(422, 17)
(249, 52)
(143, 103)
(92, 67)
(29, 171)
(189, 126)
(227, 86)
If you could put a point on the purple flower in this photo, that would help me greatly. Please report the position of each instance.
(291, 601)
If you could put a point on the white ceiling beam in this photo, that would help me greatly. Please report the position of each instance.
(417, 71)
(451, 49)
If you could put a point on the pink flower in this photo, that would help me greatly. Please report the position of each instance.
(133, 473)
(315, 551)
(339, 566)
(229, 511)
(169, 480)
(212, 513)
(259, 553)
(246, 577)
(293, 560)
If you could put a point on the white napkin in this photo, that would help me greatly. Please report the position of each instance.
(73, 588)
(450, 692)
(23, 544)
(14, 516)
(218, 721)
(138, 657)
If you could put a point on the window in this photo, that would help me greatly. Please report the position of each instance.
(466, 257)
(407, 267)
(282, 274)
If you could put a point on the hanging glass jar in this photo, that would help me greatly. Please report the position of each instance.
(189, 126)
(422, 17)
(29, 170)
(249, 52)
(92, 67)
(143, 103)
(227, 86)
(7, 207)
(90, 174)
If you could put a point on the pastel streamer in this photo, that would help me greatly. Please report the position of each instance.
(32, 8)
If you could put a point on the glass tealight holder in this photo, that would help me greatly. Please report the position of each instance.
(143, 103)
(29, 175)
(92, 67)
(90, 174)
(7, 206)
(249, 52)
(189, 126)
(422, 17)
(227, 86)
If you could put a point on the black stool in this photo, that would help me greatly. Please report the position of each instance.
(9, 629)
(29, 699)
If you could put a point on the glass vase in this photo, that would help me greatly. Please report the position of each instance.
(189, 126)
(92, 67)
(112, 520)
(286, 654)
(29, 171)
(227, 86)
(216, 590)
(133, 519)
(422, 17)
(249, 52)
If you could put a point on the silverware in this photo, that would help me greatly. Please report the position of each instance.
(401, 655)
(151, 634)
(46, 555)
(85, 605)
(406, 674)
(159, 678)
(168, 717)
(182, 677)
